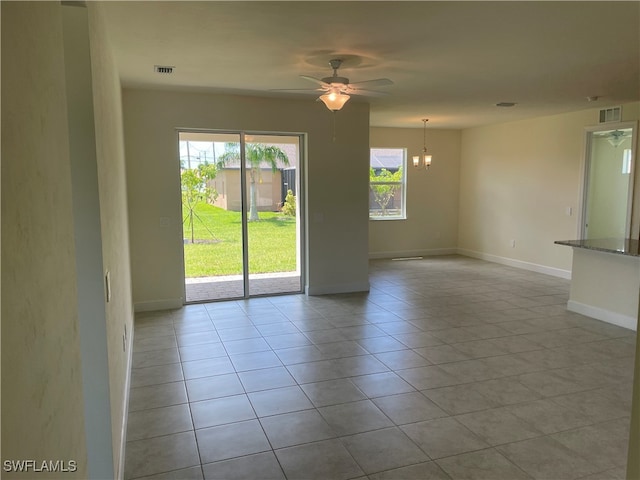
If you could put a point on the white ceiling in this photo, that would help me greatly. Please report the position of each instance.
(450, 61)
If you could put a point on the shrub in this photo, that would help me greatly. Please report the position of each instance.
(289, 207)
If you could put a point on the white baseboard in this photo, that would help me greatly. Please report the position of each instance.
(338, 288)
(608, 316)
(413, 253)
(155, 305)
(125, 410)
(511, 262)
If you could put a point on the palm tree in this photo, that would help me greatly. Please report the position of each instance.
(255, 155)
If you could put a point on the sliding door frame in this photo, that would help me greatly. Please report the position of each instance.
(301, 252)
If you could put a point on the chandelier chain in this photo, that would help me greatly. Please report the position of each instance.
(424, 134)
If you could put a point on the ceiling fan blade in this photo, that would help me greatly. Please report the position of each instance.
(297, 90)
(378, 82)
(368, 93)
(315, 80)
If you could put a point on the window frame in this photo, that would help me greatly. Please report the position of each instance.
(402, 183)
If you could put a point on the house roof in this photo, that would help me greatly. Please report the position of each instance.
(386, 158)
(451, 62)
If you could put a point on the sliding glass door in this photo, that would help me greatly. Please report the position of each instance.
(241, 221)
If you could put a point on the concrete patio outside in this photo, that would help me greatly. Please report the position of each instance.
(202, 289)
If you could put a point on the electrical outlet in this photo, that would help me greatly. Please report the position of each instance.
(512, 243)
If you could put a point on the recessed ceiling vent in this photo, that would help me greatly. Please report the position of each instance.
(611, 114)
(164, 69)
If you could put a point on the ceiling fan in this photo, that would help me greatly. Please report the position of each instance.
(616, 137)
(337, 89)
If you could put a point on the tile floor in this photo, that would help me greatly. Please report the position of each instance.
(450, 367)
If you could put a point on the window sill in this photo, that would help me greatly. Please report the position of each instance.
(379, 219)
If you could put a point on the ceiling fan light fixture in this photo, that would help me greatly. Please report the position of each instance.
(335, 87)
(616, 138)
(334, 100)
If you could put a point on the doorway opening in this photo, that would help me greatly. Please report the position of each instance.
(607, 202)
(242, 222)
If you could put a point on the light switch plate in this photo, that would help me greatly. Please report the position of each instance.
(107, 281)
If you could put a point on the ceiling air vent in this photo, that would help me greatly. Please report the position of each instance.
(163, 69)
(611, 114)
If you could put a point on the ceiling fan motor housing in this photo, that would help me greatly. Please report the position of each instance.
(336, 79)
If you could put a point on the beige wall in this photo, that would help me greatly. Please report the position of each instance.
(633, 457)
(431, 226)
(336, 192)
(517, 180)
(88, 241)
(114, 222)
(42, 401)
(63, 215)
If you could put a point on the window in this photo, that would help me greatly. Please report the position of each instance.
(387, 183)
(626, 161)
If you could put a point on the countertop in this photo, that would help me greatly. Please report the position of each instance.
(621, 246)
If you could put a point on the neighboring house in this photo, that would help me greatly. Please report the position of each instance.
(381, 158)
(272, 186)
(227, 184)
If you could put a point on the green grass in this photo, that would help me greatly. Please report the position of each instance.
(218, 250)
